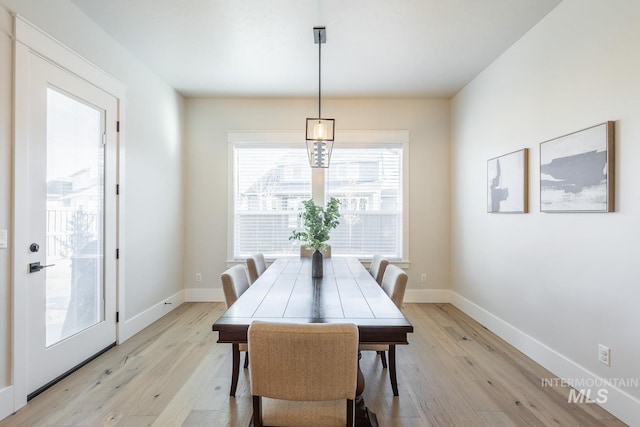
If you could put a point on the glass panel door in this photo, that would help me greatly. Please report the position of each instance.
(71, 218)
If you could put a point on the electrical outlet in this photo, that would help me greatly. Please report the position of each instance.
(423, 278)
(604, 354)
(198, 277)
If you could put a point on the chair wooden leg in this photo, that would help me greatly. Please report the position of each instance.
(246, 360)
(351, 413)
(236, 368)
(383, 359)
(257, 411)
(392, 369)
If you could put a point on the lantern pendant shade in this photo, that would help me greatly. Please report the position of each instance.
(319, 131)
(319, 153)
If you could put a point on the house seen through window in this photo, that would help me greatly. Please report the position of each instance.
(271, 180)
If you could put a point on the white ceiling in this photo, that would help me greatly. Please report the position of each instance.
(379, 48)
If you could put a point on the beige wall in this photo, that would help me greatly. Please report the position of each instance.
(569, 281)
(208, 121)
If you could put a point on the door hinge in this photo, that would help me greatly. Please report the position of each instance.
(117, 317)
(118, 126)
(117, 189)
(118, 253)
(104, 138)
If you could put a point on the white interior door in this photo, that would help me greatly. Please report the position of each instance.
(71, 219)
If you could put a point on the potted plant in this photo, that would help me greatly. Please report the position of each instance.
(318, 222)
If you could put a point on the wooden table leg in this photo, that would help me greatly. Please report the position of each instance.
(364, 417)
(392, 369)
(236, 368)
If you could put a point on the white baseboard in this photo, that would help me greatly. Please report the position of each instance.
(618, 402)
(6, 402)
(203, 295)
(129, 327)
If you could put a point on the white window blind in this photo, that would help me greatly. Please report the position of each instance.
(270, 183)
(368, 182)
(271, 177)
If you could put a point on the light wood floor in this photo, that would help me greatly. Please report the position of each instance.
(453, 373)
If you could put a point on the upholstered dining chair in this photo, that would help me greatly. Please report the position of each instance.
(394, 283)
(234, 283)
(256, 266)
(308, 253)
(302, 374)
(377, 267)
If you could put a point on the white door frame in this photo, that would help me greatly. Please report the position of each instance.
(29, 40)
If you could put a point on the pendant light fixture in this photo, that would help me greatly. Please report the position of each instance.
(319, 130)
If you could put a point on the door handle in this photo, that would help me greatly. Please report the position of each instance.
(34, 267)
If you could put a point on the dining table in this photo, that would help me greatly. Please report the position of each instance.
(347, 293)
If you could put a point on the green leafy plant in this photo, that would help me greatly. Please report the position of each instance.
(318, 222)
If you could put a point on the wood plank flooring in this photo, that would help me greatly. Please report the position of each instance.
(454, 373)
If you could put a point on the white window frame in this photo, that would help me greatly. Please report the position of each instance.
(344, 139)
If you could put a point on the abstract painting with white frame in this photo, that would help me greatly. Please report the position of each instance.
(577, 171)
(507, 183)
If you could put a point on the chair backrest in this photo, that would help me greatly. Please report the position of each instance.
(305, 362)
(308, 253)
(377, 267)
(256, 266)
(394, 283)
(234, 282)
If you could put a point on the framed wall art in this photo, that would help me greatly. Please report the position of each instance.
(577, 171)
(507, 183)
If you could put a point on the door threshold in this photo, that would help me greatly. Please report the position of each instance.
(69, 372)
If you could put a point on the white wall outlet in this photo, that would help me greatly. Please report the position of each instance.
(604, 354)
(198, 277)
(423, 278)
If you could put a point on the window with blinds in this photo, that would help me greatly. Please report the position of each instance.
(368, 183)
(272, 178)
(270, 183)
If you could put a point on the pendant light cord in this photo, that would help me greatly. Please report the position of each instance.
(319, 74)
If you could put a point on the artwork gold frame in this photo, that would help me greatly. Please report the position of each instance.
(577, 171)
(508, 183)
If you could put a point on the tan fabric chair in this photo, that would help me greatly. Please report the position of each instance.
(302, 374)
(234, 283)
(256, 266)
(377, 267)
(394, 283)
(307, 253)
